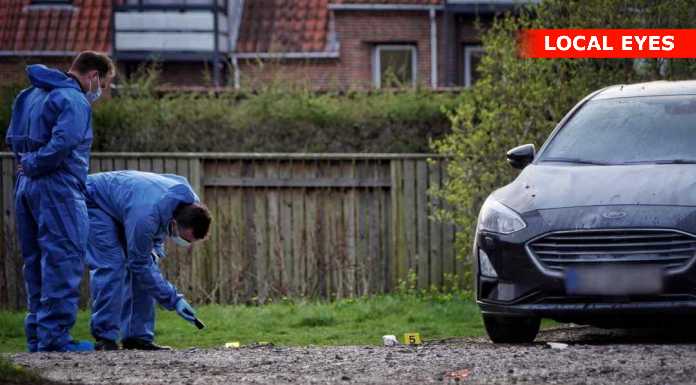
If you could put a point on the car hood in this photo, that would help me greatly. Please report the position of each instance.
(541, 187)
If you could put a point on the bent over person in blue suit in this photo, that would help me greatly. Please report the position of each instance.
(131, 213)
(51, 135)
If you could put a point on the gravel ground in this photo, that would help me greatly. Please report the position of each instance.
(592, 356)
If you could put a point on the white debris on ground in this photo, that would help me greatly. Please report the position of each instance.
(557, 345)
(390, 340)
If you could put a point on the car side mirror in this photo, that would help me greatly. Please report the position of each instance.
(520, 156)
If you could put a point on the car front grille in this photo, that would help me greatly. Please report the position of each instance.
(669, 248)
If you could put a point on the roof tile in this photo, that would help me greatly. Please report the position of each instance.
(275, 26)
(30, 30)
(417, 2)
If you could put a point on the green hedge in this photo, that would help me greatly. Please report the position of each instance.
(518, 101)
(273, 119)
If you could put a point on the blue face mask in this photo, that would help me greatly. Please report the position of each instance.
(174, 235)
(92, 96)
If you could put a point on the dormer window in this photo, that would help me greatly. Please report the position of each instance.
(173, 4)
(51, 2)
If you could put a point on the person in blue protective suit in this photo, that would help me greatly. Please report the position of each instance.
(50, 133)
(131, 213)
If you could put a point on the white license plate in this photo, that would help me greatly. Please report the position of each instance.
(613, 280)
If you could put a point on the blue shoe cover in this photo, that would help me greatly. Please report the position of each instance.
(78, 346)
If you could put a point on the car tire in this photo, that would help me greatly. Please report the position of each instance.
(511, 330)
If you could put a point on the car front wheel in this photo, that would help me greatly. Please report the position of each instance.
(511, 330)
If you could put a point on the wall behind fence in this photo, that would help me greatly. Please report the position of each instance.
(317, 225)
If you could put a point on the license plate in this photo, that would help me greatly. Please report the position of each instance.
(613, 280)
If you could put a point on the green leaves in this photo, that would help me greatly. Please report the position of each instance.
(280, 117)
(518, 101)
(274, 119)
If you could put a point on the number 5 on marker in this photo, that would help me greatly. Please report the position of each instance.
(412, 339)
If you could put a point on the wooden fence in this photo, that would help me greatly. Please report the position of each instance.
(319, 225)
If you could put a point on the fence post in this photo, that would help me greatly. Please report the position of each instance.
(196, 175)
(12, 259)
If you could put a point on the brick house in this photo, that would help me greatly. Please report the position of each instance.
(326, 44)
(362, 43)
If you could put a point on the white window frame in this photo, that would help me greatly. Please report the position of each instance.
(377, 63)
(51, 2)
(468, 71)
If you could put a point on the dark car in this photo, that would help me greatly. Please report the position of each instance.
(600, 226)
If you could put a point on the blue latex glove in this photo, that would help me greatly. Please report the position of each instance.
(185, 311)
(155, 257)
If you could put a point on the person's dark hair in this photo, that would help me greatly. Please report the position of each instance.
(194, 216)
(89, 60)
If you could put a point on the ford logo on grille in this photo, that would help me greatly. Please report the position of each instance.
(614, 214)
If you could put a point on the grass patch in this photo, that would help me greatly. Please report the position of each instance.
(361, 321)
(323, 319)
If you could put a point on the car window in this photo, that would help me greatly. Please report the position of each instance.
(628, 130)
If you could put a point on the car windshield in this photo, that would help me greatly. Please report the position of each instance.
(656, 129)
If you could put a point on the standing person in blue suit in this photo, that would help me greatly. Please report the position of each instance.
(51, 135)
(131, 213)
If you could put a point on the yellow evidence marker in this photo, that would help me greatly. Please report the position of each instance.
(232, 345)
(412, 339)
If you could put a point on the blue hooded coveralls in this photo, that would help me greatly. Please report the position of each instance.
(129, 215)
(51, 135)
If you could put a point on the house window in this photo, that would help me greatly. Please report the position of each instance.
(472, 58)
(180, 4)
(394, 66)
(51, 2)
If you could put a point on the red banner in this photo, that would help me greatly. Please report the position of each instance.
(608, 43)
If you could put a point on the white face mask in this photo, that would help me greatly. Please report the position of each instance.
(174, 235)
(92, 96)
(181, 241)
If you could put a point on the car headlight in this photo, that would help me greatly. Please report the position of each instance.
(498, 218)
